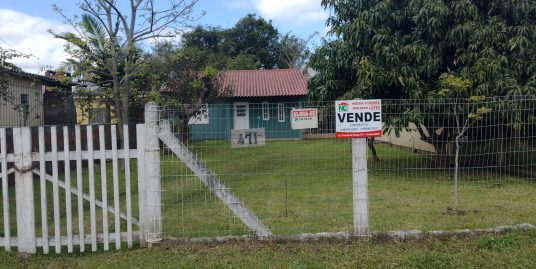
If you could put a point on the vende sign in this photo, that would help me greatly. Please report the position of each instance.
(358, 118)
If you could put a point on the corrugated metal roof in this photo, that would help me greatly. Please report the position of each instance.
(265, 83)
(44, 79)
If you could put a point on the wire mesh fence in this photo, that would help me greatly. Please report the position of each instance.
(442, 164)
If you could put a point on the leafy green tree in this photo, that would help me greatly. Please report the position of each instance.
(252, 43)
(257, 37)
(400, 49)
(186, 88)
(293, 51)
(90, 61)
(125, 27)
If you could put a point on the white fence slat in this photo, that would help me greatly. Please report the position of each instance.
(115, 170)
(91, 173)
(24, 191)
(102, 147)
(126, 148)
(142, 194)
(43, 187)
(68, 205)
(79, 185)
(5, 190)
(55, 188)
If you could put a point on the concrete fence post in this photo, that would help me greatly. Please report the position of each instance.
(24, 190)
(360, 186)
(151, 216)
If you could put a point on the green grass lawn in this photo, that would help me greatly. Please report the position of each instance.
(510, 250)
(305, 186)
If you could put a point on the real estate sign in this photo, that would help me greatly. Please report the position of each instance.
(358, 118)
(304, 118)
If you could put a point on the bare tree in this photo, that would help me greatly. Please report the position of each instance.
(125, 29)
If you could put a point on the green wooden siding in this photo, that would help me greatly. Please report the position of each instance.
(221, 119)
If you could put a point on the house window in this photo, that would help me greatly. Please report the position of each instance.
(25, 108)
(24, 100)
(281, 112)
(241, 110)
(265, 111)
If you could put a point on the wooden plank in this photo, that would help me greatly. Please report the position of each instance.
(212, 182)
(86, 197)
(126, 148)
(104, 186)
(55, 188)
(5, 190)
(115, 170)
(142, 198)
(91, 175)
(79, 185)
(72, 155)
(24, 191)
(43, 188)
(68, 204)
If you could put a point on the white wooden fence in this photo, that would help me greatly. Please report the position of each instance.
(70, 224)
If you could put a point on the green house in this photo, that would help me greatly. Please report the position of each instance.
(258, 99)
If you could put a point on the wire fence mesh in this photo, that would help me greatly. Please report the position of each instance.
(300, 181)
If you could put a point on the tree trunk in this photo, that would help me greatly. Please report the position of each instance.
(184, 130)
(372, 149)
(456, 172)
(501, 148)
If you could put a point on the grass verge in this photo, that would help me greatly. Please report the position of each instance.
(509, 250)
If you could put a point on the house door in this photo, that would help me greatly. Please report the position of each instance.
(241, 116)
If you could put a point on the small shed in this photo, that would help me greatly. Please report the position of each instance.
(258, 99)
(35, 100)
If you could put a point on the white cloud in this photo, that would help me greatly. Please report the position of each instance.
(294, 12)
(28, 34)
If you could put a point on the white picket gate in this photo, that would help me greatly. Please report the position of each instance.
(70, 224)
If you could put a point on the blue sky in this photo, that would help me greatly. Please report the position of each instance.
(24, 23)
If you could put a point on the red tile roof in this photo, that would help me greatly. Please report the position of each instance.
(265, 83)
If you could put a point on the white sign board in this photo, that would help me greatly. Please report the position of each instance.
(358, 118)
(248, 138)
(201, 117)
(304, 118)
